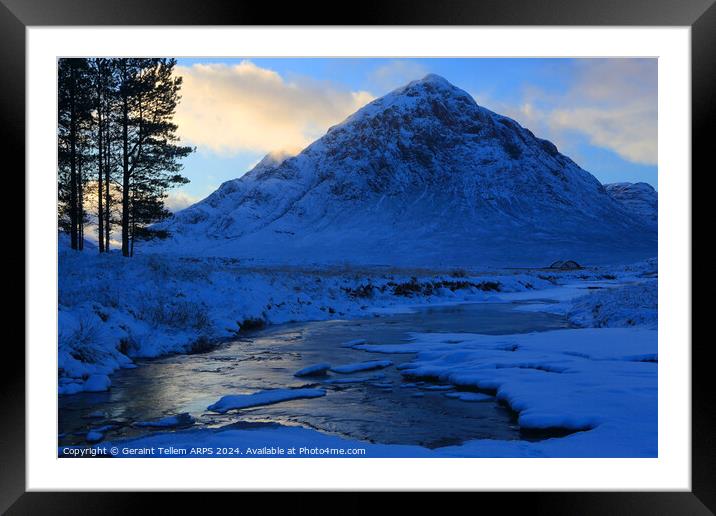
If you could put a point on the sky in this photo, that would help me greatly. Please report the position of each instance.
(602, 113)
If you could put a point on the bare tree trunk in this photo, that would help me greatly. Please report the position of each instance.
(107, 199)
(73, 157)
(134, 194)
(125, 169)
(80, 203)
(100, 192)
(134, 229)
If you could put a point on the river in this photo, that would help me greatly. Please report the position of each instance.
(390, 409)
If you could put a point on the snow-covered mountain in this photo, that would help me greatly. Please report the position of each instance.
(421, 176)
(640, 199)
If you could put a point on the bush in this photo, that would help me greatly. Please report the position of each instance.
(126, 344)
(412, 287)
(201, 345)
(175, 313)
(252, 324)
(407, 289)
(362, 291)
(80, 339)
(489, 286)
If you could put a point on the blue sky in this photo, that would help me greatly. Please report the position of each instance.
(600, 112)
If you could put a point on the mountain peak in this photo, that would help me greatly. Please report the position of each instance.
(430, 94)
(436, 79)
(431, 85)
(422, 175)
(275, 158)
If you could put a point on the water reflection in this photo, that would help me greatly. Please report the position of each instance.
(388, 409)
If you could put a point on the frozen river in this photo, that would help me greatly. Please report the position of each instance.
(387, 408)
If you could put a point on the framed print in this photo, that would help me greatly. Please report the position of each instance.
(446, 249)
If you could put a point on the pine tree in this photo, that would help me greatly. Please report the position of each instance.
(74, 114)
(149, 93)
(117, 146)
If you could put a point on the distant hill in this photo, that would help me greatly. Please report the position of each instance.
(639, 199)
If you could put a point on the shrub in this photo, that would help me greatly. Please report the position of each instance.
(407, 289)
(489, 286)
(126, 344)
(176, 313)
(80, 337)
(362, 291)
(201, 345)
(252, 324)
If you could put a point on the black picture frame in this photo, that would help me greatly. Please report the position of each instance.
(700, 15)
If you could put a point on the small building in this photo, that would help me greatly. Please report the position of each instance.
(566, 265)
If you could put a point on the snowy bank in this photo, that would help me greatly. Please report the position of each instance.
(595, 386)
(631, 305)
(598, 386)
(113, 309)
(598, 382)
(628, 297)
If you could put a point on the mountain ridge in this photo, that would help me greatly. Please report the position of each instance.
(639, 199)
(422, 175)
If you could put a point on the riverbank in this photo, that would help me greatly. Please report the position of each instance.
(597, 387)
(113, 309)
(554, 381)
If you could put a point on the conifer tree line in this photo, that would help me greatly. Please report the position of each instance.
(118, 152)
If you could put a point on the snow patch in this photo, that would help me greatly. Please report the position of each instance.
(268, 397)
(183, 419)
(313, 370)
(469, 396)
(584, 380)
(362, 366)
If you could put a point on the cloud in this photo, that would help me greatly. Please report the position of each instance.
(611, 102)
(395, 74)
(629, 130)
(178, 200)
(227, 109)
(615, 106)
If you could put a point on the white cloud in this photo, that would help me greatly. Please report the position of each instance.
(178, 200)
(395, 74)
(613, 102)
(630, 130)
(227, 109)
